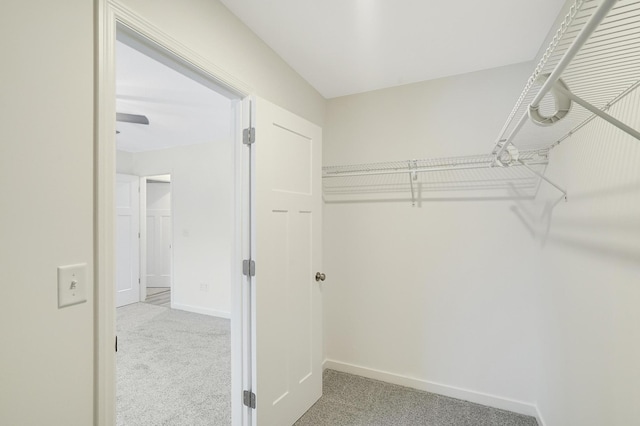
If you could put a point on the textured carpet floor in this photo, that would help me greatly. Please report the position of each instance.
(173, 368)
(350, 400)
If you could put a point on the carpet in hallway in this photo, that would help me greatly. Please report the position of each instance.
(173, 367)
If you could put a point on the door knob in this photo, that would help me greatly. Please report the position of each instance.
(320, 276)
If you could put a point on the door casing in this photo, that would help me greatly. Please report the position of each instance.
(110, 17)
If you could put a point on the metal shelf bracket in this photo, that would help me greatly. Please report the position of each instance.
(413, 176)
(543, 177)
(597, 111)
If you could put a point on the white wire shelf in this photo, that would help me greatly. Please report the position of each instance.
(470, 177)
(427, 165)
(591, 63)
(596, 54)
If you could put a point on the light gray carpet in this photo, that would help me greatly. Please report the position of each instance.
(350, 400)
(173, 368)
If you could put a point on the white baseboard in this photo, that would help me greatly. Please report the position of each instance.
(494, 401)
(200, 310)
(539, 418)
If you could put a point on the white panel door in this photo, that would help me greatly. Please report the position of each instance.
(127, 240)
(287, 300)
(158, 234)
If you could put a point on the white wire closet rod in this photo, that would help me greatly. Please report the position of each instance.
(413, 168)
(573, 50)
(428, 165)
(593, 61)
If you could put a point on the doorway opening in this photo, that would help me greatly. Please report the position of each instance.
(177, 238)
(276, 223)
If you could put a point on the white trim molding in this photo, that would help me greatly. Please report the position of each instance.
(104, 221)
(489, 400)
(138, 24)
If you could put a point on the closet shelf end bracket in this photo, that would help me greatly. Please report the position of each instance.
(546, 179)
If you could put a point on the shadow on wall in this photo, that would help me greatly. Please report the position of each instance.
(604, 222)
(535, 213)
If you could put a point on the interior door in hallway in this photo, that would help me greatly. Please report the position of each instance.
(127, 239)
(158, 234)
(287, 299)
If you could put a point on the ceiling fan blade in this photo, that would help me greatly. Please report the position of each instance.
(131, 118)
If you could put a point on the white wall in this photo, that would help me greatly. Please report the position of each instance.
(46, 179)
(588, 281)
(124, 162)
(202, 196)
(46, 219)
(439, 294)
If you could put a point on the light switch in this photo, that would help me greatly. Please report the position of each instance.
(72, 285)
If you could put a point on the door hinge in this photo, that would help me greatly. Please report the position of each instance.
(249, 135)
(116, 343)
(138, 280)
(249, 268)
(249, 399)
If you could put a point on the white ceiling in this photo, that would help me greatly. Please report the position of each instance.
(180, 110)
(343, 47)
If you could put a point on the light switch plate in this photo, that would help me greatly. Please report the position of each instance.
(72, 285)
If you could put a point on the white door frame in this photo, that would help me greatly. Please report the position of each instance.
(109, 13)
